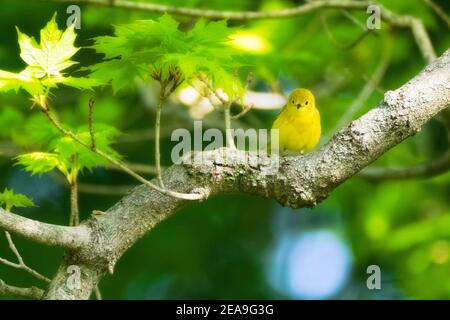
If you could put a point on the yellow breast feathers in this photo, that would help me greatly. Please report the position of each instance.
(298, 123)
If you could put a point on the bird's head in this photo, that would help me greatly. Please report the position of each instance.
(302, 99)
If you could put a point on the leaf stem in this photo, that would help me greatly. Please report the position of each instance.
(74, 211)
(159, 106)
(245, 110)
(91, 123)
(228, 132)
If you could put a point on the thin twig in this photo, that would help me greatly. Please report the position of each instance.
(414, 24)
(367, 90)
(98, 294)
(145, 134)
(31, 293)
(13, 248)
(350, 17)
(139, 168)
(10, 263)
(417, 28)
(228, 131)
(208, 94)
(223, 102)
(244, 111)
(185, 196)
(74, 211)
(203, 79)
(235, 15)
(21, 264)
(425, 170)
(438, 10)
(245, 108)
(158, 138)
(249, 81)
(91, 123)
(12, 151)
(338, 44)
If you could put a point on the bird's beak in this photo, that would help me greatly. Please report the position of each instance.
(299, 106)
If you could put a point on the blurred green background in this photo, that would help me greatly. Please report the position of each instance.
(238, 246)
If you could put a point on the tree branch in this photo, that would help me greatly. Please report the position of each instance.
(368, 88)
(438, 10)
(413, 23)
(301, 181)
(30, 293)
(55, 122)
(44, 233)
(21, 263)
(425, 170)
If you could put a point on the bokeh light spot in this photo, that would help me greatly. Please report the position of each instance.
(315, 265)
(250, 41)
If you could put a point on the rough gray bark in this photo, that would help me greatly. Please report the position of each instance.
(59, 236)
(95, 246)
(30, 293)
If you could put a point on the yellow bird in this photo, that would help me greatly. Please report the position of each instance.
(298, 123)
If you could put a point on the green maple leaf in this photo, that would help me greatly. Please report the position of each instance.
(46, 62)
(144, 46)
(42, 162)
(67, 149)
(68, 155)
(53, 54)
(10, 199)
(24, 79)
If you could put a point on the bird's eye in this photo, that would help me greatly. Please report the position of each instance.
(306, 102)
(293, 102)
